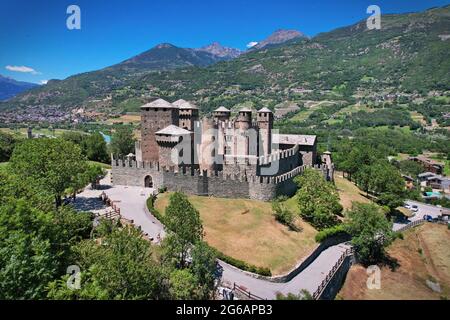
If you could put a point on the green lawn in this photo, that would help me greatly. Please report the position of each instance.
(353, 109)
(446, 165)
(47, 132)
(103, 165)
(247, 230)
(305, 113)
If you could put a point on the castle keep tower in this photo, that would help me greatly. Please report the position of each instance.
(264, 119)
(155, 116)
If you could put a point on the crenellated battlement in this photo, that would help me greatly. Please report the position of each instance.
(278, 155)
(227, 156)
(189, 172)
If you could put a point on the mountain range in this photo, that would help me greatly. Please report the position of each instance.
(411, 53)
(10, 87)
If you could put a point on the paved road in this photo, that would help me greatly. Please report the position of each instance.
(132, 204)
(309, 279)
(423, 209)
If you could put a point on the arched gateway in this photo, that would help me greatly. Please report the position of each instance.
(148, 182)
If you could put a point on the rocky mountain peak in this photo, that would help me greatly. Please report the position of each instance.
(164, 46)
(218, 50)
(279, 37)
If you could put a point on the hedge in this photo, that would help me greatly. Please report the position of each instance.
(338, 230)
(242, 264)
(153, 210)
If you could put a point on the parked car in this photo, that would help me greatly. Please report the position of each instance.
(414, 208)
(407, 206)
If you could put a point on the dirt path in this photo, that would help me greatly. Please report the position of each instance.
(431, 266)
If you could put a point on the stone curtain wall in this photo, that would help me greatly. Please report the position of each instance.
(279, 162)
(126, 173)
(218, 185)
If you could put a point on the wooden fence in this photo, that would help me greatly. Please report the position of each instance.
(246, 293)
(411, 225)
(114, 213)
(318, 293)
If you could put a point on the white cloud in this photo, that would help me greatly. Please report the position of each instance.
(43, 82)
(252, 44)
(23, 69)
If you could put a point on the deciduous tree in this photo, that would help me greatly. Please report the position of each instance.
(371, 231)
(318, 199)
(184, 225)
(122, 141)
(53, 164)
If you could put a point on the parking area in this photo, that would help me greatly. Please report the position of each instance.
(421, 210)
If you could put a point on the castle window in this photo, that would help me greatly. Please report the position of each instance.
(227, 150)
(228, 138)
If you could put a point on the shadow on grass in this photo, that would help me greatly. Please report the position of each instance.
(383, 261)
(390, 262)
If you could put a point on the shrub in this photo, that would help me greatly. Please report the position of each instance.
(331, 232)
(153, 210)
(242, 264)
(162, 189)
(283, 215)
(303, 295)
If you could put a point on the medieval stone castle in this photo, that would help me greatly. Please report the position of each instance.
(223, 156)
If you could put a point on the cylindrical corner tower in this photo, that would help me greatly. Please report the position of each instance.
(208, 147)
(264, 119)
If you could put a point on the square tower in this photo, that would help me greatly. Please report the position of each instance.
(155, 116)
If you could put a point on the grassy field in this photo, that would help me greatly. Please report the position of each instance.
(311, 106)
(246, 230)
(401, 157)
(446, 164)
(47, 132)
(418, 117)
(422, 255)
(353, 109)
(348, 192)
(127, 118)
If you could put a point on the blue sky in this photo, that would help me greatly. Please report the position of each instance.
(35, 44)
